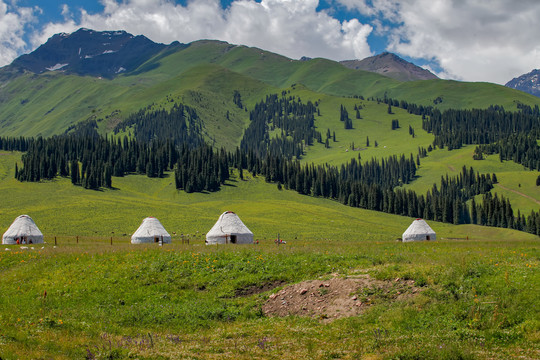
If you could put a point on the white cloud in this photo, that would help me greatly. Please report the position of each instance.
(295, 28)
(474, 40)
(290, 27)
(66, 13)
(13, 21)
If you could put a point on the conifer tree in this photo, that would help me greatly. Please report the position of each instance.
(74, 172)
(474, 212)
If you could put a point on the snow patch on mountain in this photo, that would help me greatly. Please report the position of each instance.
(57, 67)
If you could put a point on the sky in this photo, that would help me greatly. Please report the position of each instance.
(467, 40)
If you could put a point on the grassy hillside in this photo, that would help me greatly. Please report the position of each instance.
(375, 123)
(515, 181)
(264, 209)
(47, 104)
(329, 77)
(53, 102)
(96, 300)
(456, 94)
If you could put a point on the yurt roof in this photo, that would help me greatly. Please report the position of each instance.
(23, 225)
(150, 226)
(418, 226)
(229, 223)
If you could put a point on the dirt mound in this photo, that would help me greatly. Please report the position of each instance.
(337, 297)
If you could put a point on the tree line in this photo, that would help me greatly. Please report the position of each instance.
(290, 120)
(91, 162)
(513, 135)
(522, 148)
(180, 124)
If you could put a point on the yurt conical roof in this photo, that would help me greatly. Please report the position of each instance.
(23, 229)
(150, 231)
(229, 229)
(419, 230)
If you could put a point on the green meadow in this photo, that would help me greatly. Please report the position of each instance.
(516, 182)
(96, 296)
(87, 293)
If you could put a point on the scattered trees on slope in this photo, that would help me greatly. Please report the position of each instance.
(272, 145)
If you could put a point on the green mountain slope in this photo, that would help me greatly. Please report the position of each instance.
(205, 74)
(455, 94)
(47, 104)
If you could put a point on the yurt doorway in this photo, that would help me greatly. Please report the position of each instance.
(156, 239)
(233, 239)
(427, 237)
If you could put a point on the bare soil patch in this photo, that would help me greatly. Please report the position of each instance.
(257, 289)
(337, 297)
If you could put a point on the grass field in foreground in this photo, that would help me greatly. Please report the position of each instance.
(478, 301)
(95, 300)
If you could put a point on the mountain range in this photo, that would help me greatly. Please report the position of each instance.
(233, 96)
(529, 83)
(110, 53)
(108, 75)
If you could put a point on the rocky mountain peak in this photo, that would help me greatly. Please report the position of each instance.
(90, 52)
(391, 65)
(529, 83)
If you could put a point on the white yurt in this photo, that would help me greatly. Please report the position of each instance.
(23, 231)
(229, 229)
(150, 231)
(419, 230)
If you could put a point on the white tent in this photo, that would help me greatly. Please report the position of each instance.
(150, 231)
(23, 229)
(229, 229)
(419, 230)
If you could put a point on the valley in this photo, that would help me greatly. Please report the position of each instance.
(88, 293)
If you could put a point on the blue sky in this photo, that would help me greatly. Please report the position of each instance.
(471, 40)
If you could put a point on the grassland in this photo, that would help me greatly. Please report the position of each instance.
(516, 182)
(87, 298)
(49, 103)
(120, 211)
